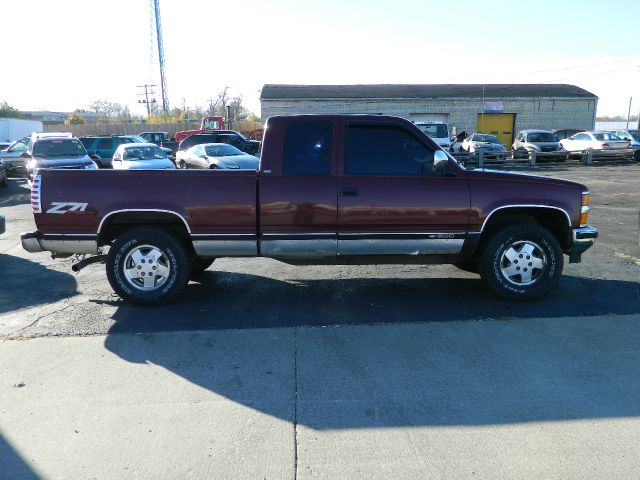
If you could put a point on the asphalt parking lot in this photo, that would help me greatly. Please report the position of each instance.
(418, 371)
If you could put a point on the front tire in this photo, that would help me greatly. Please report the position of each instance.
(522, 262)
(148, 266)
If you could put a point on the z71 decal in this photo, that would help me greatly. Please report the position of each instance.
(65, 207)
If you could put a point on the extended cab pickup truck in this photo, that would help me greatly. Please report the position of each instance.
(347, 189)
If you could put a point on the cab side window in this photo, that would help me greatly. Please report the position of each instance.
(307, 148)
(386, 150)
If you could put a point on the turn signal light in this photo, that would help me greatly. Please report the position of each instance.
(584, 212)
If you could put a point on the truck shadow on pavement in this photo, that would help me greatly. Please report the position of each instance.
(12, 465)
(26, 284)
(226, 300)
(421, 374)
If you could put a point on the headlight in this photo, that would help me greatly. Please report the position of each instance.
(91, 166)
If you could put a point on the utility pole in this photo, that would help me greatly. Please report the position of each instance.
(186, 112)
(629, 112)
(148, 90)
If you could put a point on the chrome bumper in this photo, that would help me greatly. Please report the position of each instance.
(58, 244)
(30, 242)
(582, 239)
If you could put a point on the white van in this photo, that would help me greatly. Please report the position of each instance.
(437, 131)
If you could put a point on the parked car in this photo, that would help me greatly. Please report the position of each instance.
(252, 147)
(543, 141)
(101, 148)
(332, 189)
(597, 140)
(141, 156)
(630, 135)
(477, 141)
(438, 131)
(163, 140)
(567, 132)
(56, 151)
(3, 174)
(216, 155)
(12, 157)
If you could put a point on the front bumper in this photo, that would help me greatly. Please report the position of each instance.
(581, 240)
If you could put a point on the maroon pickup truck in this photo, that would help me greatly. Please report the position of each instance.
(347, 189)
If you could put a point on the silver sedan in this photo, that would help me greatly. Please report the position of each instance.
(216, 155)
(601, 141)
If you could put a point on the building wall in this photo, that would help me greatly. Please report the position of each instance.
(544, 113)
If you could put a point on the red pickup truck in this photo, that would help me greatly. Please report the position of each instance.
(343, 189)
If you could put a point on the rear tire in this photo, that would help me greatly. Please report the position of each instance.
(148, 266)
(522, 262)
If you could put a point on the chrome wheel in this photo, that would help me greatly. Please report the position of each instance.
(146, 268)
(522, 263)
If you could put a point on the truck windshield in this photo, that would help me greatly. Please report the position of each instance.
(58, 148)
(435, 130)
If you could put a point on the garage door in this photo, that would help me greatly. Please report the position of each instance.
(498, 124)
(429, 117)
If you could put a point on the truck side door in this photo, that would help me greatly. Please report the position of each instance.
(298, 196)
(391, 201)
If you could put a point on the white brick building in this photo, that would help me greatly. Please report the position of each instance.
(501, 109)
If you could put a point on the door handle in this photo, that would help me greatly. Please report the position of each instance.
(349, 192)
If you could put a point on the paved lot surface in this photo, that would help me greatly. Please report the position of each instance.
(419, 371)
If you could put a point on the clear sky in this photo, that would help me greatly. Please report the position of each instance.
(64, 54)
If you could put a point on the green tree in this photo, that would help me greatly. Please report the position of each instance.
(109, 110)
(7, 110)
(74, 118)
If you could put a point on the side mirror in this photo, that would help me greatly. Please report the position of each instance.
(25, 155)
(92, 153)
(204, 157)
(440, 160)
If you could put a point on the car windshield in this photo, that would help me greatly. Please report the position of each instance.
(485, 139)
(540, 137)
(222, 150)
(59, 147)
(144, 153)
(139, 139)
(606, 136)
(434, 130)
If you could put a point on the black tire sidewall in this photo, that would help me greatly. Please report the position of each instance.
(492, 255)
(178, 261)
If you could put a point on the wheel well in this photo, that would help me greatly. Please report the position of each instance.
(553, 220)
(118, 223)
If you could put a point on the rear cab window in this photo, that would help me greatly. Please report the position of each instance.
(307, 148)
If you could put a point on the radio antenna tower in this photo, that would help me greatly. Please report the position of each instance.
(155, 15)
